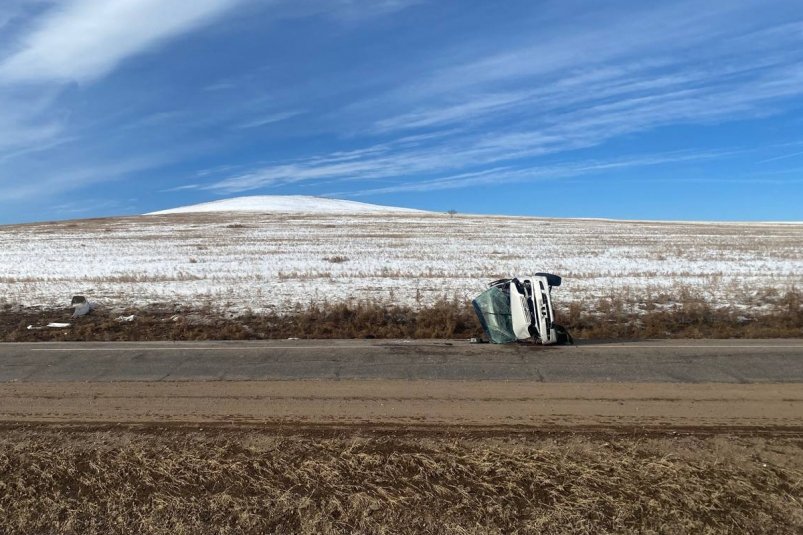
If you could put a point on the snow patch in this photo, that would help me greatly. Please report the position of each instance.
(286, 203)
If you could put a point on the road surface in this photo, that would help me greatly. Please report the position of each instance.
(666, 361)
(746, 386)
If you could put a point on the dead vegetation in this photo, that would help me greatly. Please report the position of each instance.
(160, 481)
(684, 316)
(336, 259)
(444, 319)
(776, 315)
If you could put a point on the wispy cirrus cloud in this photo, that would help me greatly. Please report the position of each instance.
(80, 40)
(270, 118)
(56, 43)
(27, 121)
(630, 72)
(43, 183)
(782, 157)
(507, 175)
(595, 66)
(428, 155)
(553, 131)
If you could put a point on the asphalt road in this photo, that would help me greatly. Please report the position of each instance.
(664, 361)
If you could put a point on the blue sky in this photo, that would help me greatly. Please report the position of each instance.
(649, 110)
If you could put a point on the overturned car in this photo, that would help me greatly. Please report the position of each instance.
(520, 309)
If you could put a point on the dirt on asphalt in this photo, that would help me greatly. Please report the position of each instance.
(410, 403)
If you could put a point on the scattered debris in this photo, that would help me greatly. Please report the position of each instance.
(125, 318)
(520, 309)
(49, 325)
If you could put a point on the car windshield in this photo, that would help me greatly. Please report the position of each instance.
(493, 310)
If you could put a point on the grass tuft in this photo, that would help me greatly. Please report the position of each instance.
(336, 259)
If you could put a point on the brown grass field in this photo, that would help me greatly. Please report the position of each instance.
(317, 480)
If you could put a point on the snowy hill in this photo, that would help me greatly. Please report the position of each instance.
(286, 203)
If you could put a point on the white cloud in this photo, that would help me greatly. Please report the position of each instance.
(185, 187)
(269, 119)
(782, 157)
(577, 88)
(466, 109)
(40, 185)
(500, 175)
(343, 11)
(27, 121)
(414, 157)
(81, 40)
(359, 10)
(608, 63)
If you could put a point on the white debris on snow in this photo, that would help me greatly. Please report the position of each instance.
(49, 325)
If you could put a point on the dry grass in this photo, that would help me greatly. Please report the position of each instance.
(779, 316)
(216, 481)
(444, 319)
(336, 259)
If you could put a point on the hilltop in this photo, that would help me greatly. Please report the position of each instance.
(286, 203)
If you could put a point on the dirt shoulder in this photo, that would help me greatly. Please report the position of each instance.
(480, 404)
(400, 456)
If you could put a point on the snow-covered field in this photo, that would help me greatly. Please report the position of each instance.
(274, 260)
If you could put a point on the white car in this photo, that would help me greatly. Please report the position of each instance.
(520, 309)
